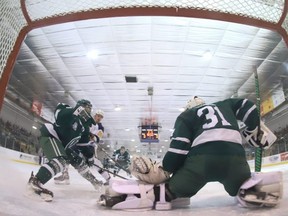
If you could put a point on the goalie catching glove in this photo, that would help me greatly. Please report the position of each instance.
(262, 138)
(148, 171)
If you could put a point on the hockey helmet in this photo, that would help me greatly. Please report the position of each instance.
(100, 112)
(195, 101)
(84, 103)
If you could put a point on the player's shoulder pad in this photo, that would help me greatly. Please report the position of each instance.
(62, 106)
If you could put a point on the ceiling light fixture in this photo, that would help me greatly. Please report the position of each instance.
(207, 55)
(117, 108)
(92, 54)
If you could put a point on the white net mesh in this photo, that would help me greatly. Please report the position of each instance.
(285, 24)
(266, 10)
(12, 19)
(11, 23)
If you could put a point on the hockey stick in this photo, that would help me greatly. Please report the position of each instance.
(258, 150)
(116, 163)
(109, 171)
(92, 143)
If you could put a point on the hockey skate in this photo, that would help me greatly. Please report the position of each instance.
(105, 175)
(109, 201)
(63, 179)
(107, 181)
(261, 190)
(260, 198)
(34, 187)
(97, 185)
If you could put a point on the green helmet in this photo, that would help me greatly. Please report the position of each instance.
(83, 103)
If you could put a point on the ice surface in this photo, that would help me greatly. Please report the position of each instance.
(79, 198)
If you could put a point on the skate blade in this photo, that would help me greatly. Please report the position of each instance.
(137, 210)
(163, 206)
(62, 182)
(101, 202)
(46, 197)
(255, 200)
(30, 193)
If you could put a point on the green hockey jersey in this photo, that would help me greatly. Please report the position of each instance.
(68, 127)
(210, 129)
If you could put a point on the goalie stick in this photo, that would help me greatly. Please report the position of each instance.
(258, 151)
(109, 172)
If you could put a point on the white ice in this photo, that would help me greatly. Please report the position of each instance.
(79, 198)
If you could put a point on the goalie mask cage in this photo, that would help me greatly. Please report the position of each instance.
(18, 17)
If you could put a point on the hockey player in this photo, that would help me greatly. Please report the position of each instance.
(87, 149)
(122, 159)
(206, 146)
(97, 130)
(58, 141)
(96, 134)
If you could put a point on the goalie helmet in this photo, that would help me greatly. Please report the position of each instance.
(195, 101)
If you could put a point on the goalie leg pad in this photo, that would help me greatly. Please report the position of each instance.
(129, 186)
(140, 196)
(261, 190)
(163, 204)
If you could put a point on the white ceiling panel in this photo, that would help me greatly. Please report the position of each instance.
(175, 56)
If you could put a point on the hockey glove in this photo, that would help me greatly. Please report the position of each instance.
(148, 171)
(262, 138)
(94, 137)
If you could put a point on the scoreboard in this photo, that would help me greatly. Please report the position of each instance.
(149, 133)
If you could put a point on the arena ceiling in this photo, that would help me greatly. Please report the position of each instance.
(113, 62)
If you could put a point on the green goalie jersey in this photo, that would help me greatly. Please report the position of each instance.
(210, 129)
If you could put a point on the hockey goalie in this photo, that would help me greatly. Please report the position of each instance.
(206, 146)
(152, 190)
